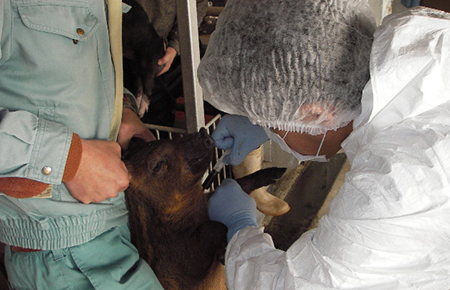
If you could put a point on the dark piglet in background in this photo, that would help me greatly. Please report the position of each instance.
(142, 48)
(168, 210)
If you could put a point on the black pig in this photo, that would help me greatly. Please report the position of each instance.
(168, 210)
(142, 48)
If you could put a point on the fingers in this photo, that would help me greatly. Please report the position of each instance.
(236, 157)
(163, 60)
(146, 135)
(222, 140)
(101, 173)
(164, 69)
(130, 127)
(240, 209)
(227, 160)
(167, 60)
(222, 136)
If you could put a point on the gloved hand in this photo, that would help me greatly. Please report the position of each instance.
(231, 206)
(239, 134)
(410, 3)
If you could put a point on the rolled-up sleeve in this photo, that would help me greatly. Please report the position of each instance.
(32, 148)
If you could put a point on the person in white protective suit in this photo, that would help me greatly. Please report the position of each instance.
(389, 225)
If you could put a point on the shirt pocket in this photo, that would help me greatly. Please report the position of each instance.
(72, 20)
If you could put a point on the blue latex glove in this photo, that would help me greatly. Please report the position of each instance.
(231, 206)
(239, 134)
(410, 3)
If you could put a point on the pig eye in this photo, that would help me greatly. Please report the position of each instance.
(158, 166)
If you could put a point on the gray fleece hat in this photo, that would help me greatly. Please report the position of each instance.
(295, 65)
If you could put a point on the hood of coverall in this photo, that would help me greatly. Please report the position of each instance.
(293, 65)
(388, 226)
(400, 88)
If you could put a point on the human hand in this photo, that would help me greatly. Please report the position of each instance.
(231, 206)
(239, 134)
(101, 173)
(130, 127)
(167, 59)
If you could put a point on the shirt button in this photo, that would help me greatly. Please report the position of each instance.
(46, 170)
(80, 31)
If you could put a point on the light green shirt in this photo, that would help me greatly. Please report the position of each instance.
(56, 78)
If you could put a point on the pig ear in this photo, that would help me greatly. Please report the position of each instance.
(135, 144)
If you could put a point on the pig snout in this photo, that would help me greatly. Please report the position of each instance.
(207, 140)
(199, 142)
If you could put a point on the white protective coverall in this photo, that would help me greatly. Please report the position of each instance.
(389, 225)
